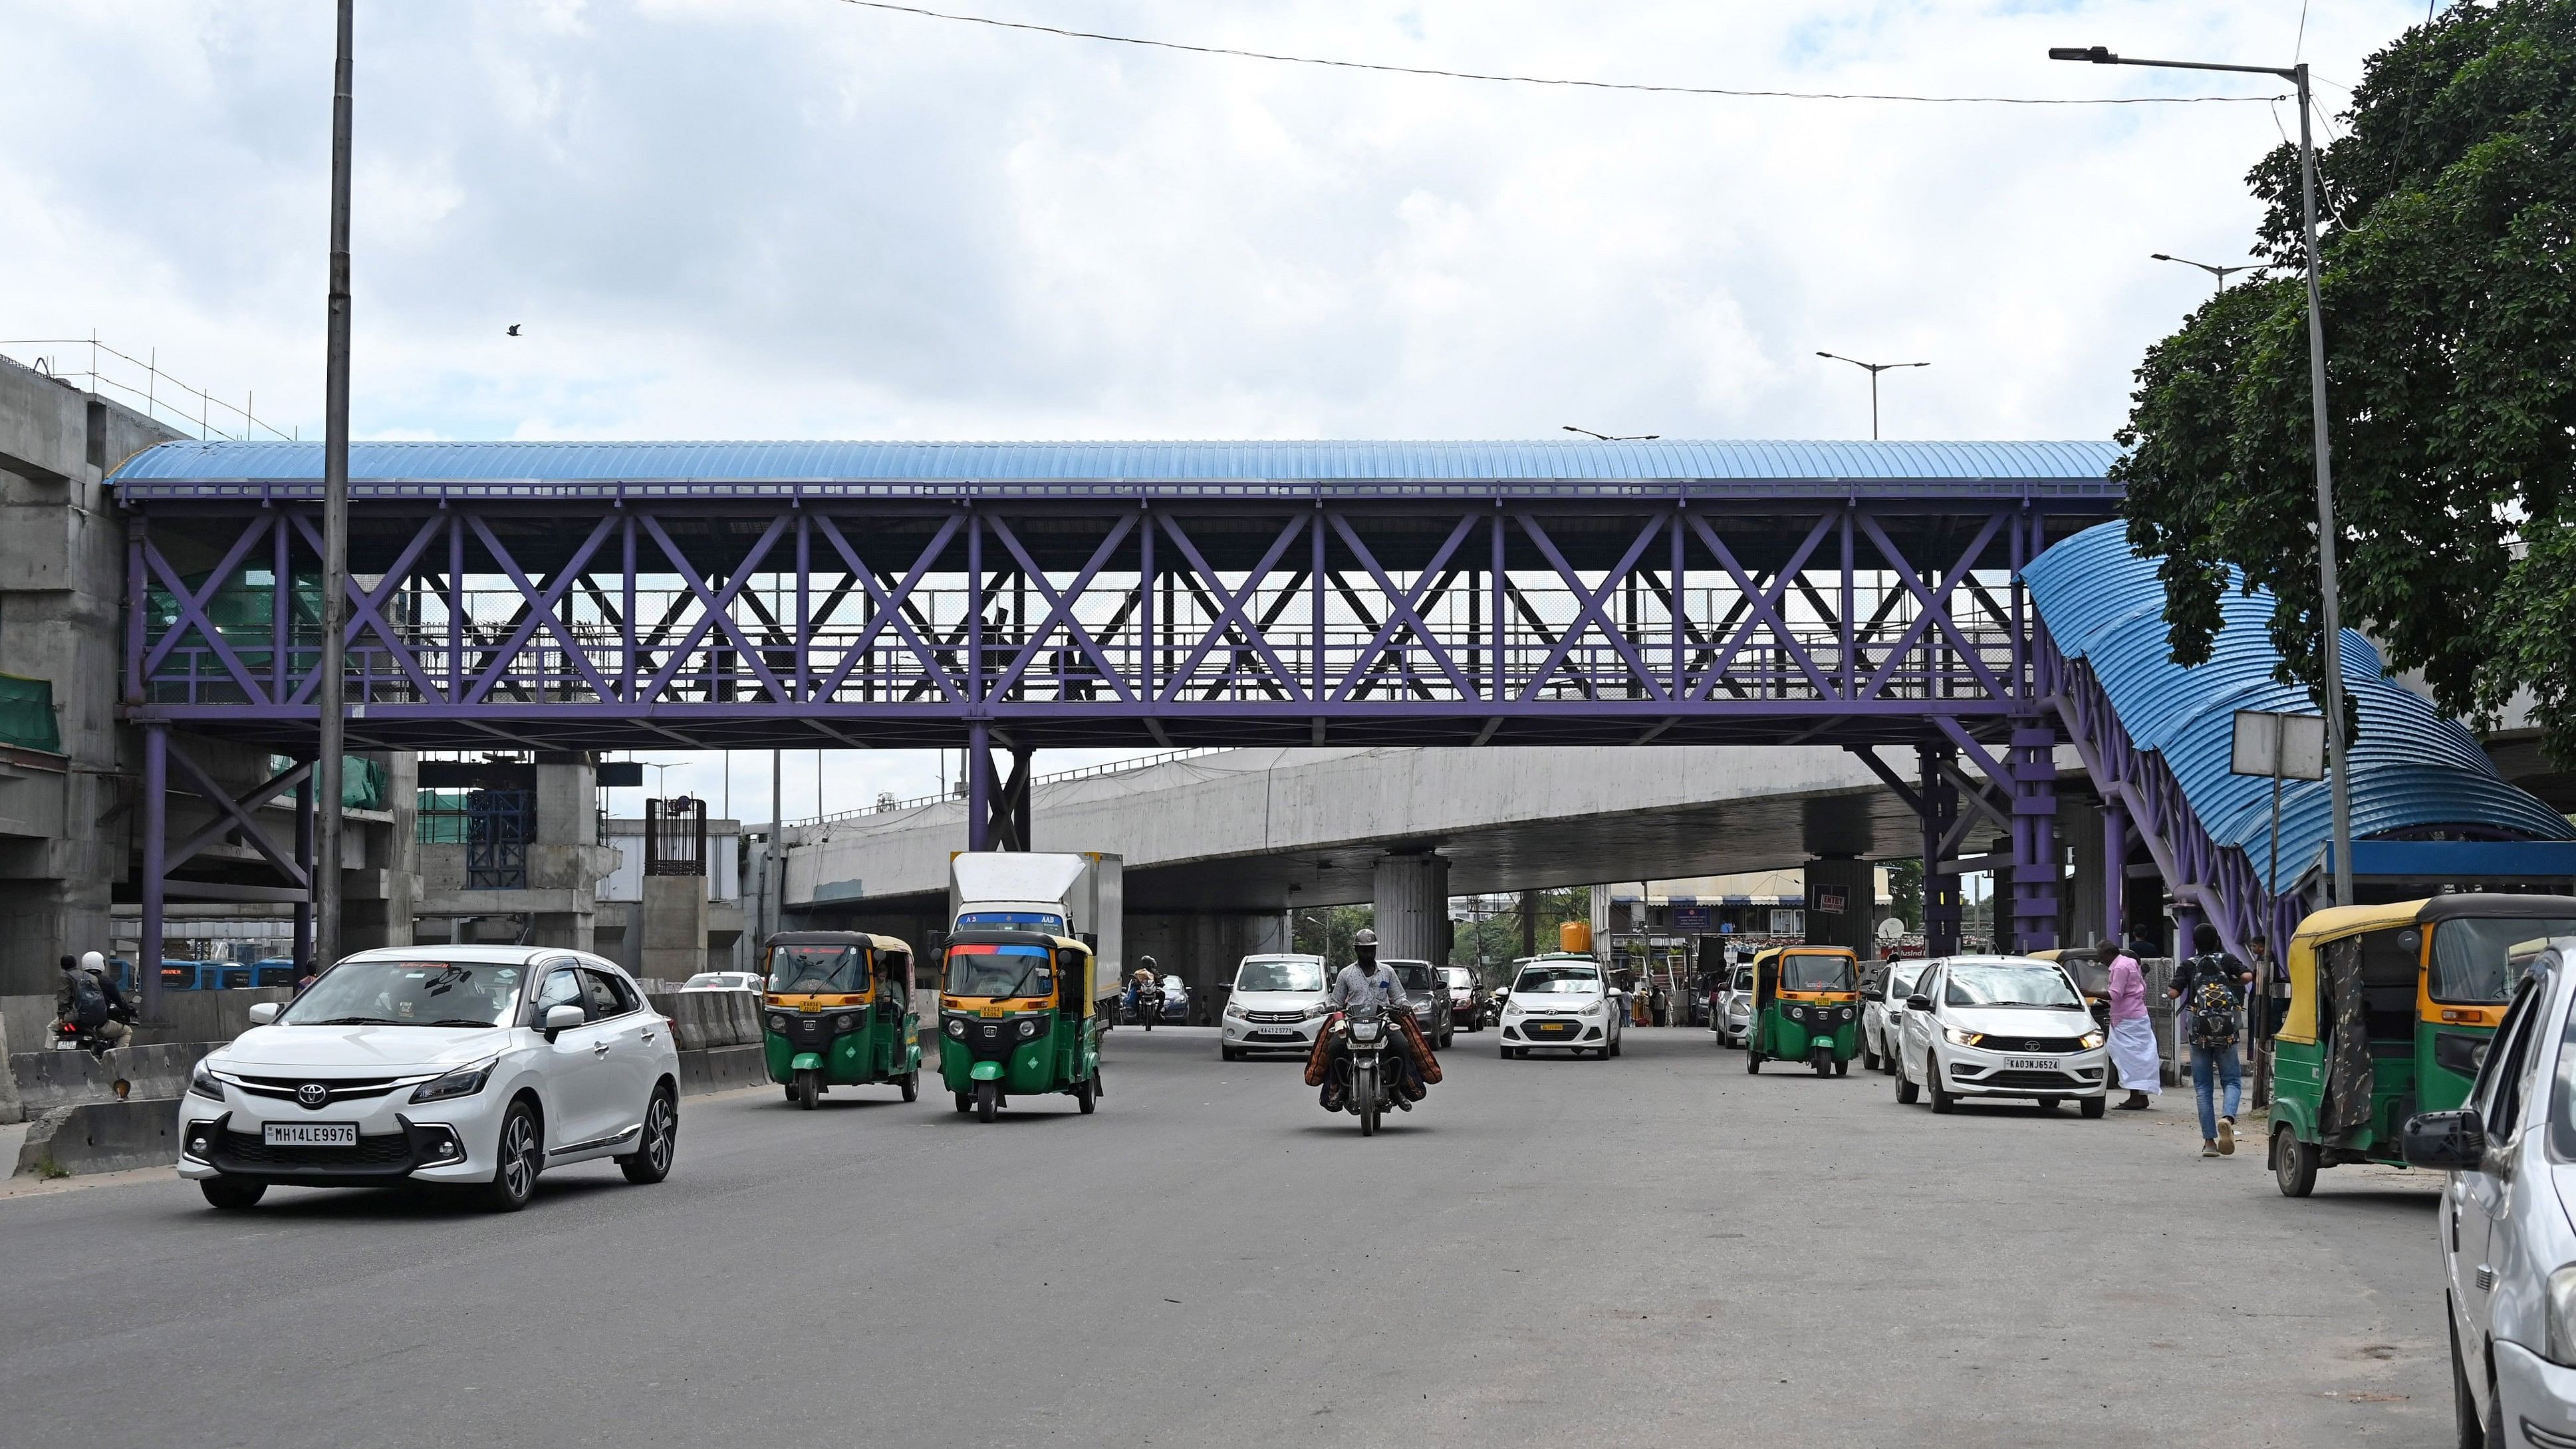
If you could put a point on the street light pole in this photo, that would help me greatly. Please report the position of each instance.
(2221, 273)
(2330, 607)
(1874, 369)
(323, 886)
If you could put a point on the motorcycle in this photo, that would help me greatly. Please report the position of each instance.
(71, 1036)
(1372, 1077)
(1148, 1007)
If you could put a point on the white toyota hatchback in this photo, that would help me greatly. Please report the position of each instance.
(480, 1066)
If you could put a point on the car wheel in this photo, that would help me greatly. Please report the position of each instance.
(1448, 1039)
(231, 1194)
(2049, 1104)
(1617, 1046)
(2294, 1163)
(2093, 1107)
(912, 1085)
(1942, 1102)
(650, 1162)
(2466, 1428)
(1868, 1058)
(521, 1152)
(1906, 1092)
(1228, 1054)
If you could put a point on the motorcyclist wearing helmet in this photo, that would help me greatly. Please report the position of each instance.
(1366, 990)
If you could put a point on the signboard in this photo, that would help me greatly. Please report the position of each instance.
(1830, 899)
(1690, 918)
(2291, 746)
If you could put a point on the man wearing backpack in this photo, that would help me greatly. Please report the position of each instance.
(2207, 990)
(89, 1000)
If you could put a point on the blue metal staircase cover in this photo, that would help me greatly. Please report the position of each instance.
(2412, 767)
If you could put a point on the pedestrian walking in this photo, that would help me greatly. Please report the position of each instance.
(2206, 990)
(2133, 1040)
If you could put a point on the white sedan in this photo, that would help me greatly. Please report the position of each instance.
(1561, 1003)
(2000, 1026)
(480, 1066)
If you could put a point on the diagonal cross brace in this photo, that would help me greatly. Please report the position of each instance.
(1765, 606)
(716, 609)
(1404, 607)
(1230, 607)
(192, 607)
(222, 799)
(892, 607)
(1060, 607)
(1588, 612)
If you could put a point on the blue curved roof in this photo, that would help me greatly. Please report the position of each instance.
(2412, 766)
(201, 468)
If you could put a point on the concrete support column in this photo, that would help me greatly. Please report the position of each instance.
(156, 810)
(1412, 899)
(2035, 868)
(979, 786)
(1941, 906)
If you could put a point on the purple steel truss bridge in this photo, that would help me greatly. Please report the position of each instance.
(1015, 597)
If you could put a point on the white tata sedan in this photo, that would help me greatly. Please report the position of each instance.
(2000, 1026)
(480, 1066)
(1561, 1003)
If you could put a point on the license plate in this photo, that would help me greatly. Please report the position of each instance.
(309, 1134)
(2033, 1064)
(1272, 1036)
(1553, 1028)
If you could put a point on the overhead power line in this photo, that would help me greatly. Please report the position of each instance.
(1538, 80)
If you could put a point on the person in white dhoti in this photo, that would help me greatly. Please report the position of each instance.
(2133, 1041)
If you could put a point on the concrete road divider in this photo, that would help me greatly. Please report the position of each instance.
(49, 1079)
(101, 1137)
(721, 1069)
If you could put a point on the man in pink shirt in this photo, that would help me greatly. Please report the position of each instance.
(2133, 1041)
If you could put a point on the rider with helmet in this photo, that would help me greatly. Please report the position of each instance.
(1364, 989)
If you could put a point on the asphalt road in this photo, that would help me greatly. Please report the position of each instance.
(1656, 1250)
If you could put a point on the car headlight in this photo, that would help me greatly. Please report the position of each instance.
(2558, 1320)
(1591, 1008)
(956, 1027)
(1514, 1008)
(1957, 1037)
(1028, 1029)
(1236, 1012)
(1320, 1008)
(2090, 1040)
(463, 1082)
(201, 1080)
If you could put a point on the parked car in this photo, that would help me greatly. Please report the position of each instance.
(1472, 1010)
(1882, 1012)
(1277, 1005)
(723, 981)
(478, 1066)
(2508, 1252)
(1432, 1009)
(2000, 1026)
(1734, 1016)
(1561, 1002)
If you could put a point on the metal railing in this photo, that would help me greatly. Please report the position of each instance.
(140, 383)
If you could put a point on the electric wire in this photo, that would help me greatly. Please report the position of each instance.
(1533, 80)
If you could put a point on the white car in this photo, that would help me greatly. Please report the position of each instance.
(2000, 1026)
(480, 1066)
(1277, 1006)
(723, 981)
(1732, 1020)
(1882, 1014)
(1561, 1003)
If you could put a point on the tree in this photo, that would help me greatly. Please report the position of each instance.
(2447, 214)
(1905, 891)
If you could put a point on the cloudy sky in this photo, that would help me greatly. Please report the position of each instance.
(807, 218)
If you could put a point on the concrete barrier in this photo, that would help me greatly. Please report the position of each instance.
(101, 1137)
(47, 1080)
(706, 1020)
(185, 1016)
(721, 1069)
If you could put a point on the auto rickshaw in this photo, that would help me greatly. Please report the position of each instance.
(1019, 1016)
(2391, 1008)
(838, 1013)
(1806, 1008)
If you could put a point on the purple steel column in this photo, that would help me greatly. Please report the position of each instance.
(2035, 869)
(1023, 775)
(2115, 870)
(979, 786)
(1941, 912)
(156, 799)
(304, 860)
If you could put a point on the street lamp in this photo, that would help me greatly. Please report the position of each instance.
(1875, 368)
(2330, 605)
(2221, 273)
(1607, 438)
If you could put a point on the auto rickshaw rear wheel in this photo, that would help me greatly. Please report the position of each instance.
(1085, 1094)
(965, 1103)
(1842, 1067)
(2294, 1163)
(1752, 1061)
(912, 1085)
(988, 1099)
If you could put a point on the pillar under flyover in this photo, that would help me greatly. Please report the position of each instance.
(1942, 913)
(1412, 900)
(2036, 868)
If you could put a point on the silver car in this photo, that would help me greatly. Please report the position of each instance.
(1882, 1014)
(1733, 1018)
(1427, 988)
(2508, 1250)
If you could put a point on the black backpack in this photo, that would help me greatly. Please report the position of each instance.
(89, 1004)
(2211, 1002)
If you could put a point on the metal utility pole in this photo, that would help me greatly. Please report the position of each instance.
(773, 872)
(2221, 273)
(2330, 606)
(324, 883)
(1874, 369)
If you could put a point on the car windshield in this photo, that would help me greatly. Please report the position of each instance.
(990, 971)
(1901, 979)
(409, 993)
(705, 979)
(1279, 973)
(827, 967)
(1558, 980)
(1815, 971)
(1415, 975)
(1041, 922)
(1743, 978)
(1977, 983)
(1460, 979)
(2471, 956)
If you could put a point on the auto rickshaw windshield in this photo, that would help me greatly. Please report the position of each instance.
(994, 972)
(1815, 971)
(818, 969)
(2471, 954)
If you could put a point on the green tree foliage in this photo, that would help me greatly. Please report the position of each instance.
(1905, 891)
(2448, 227)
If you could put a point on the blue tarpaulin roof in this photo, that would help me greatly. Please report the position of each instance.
(2412, 767)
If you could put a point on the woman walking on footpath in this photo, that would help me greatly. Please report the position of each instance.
(2133, 1041)
(2207, 990)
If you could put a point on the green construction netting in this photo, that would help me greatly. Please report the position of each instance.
(362, 781)
(27, 714)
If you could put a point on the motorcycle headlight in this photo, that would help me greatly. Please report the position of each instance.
(1957, 1037)
(1028, 1029)
(201, 1080)
(2558, 1319)
(463, 1082)
(955, 1027)
(2090, 1040)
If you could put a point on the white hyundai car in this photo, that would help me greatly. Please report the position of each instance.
(2000, 1026)
(1561, 1003)
(480, 1066)
(1277, 1005)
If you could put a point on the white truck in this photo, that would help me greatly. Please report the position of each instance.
(1081, 895)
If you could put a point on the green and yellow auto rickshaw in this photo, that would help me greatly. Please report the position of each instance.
(838, 1013)
(1806, 1008)
(1018, 1016)
(2391, 1008)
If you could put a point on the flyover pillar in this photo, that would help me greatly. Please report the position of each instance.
(1941, 912)
(1412, 898)
(2036, 871)
(979, 786)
